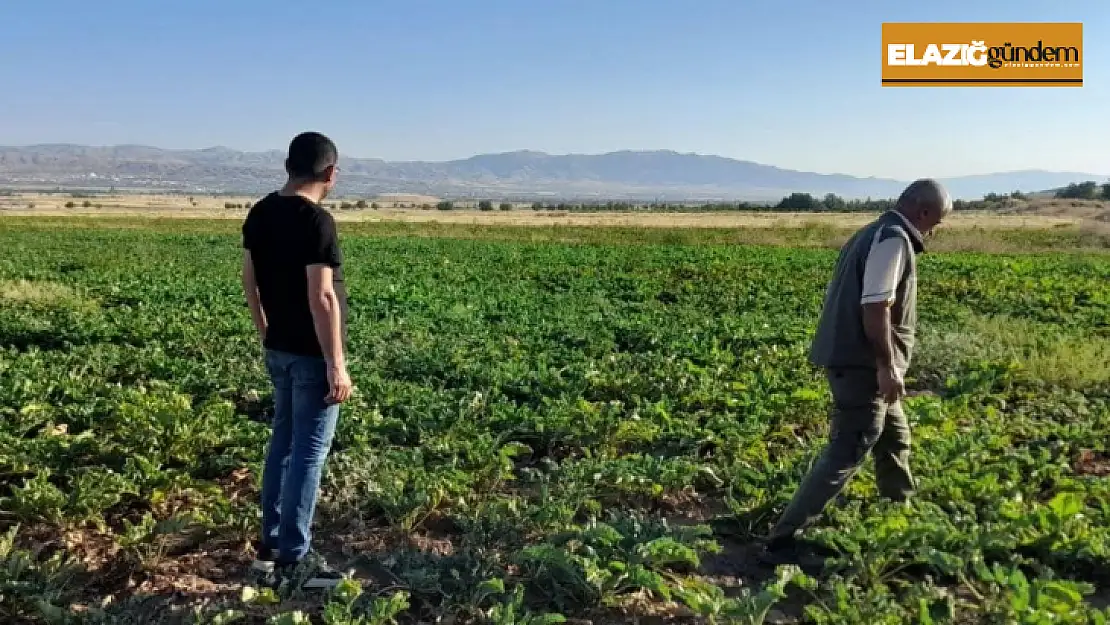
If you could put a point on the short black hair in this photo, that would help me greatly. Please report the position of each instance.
(310, 154)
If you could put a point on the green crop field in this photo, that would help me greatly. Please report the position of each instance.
(547, 426)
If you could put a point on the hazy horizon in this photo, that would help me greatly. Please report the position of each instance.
(1105, 172)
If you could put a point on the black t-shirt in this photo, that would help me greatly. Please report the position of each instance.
(286, 234)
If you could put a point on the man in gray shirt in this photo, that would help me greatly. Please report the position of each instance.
(864, 341)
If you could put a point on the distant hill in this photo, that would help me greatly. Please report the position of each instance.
(642, 175)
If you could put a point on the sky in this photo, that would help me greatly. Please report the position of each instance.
(792, 83)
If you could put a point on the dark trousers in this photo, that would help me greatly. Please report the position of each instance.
(861, 423)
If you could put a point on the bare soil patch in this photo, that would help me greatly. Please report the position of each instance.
(1093, 463)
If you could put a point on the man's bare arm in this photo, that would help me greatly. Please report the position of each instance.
(885, 264)
(250, 289)
(324, 304)
(877, 327)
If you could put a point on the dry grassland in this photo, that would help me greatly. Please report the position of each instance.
(1037, 214)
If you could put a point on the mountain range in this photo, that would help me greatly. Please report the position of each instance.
(634, 175)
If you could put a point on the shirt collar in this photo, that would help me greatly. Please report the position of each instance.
(909, 225)
(914, 233)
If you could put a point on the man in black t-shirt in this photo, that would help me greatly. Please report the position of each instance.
(293, 280)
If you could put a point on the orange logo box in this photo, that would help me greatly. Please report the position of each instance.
(1020, 54)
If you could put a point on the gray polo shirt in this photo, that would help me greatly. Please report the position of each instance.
(877, 264)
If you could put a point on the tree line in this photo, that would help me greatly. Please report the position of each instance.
(1089, 190)
(796, 202)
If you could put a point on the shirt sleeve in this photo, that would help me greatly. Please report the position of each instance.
(323, 245)
(883, 270)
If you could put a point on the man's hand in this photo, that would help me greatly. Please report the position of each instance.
(339, 382)
(891, 387)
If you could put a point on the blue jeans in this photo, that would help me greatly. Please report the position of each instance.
(303, 427)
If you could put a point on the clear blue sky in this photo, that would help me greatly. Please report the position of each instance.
(793, 83)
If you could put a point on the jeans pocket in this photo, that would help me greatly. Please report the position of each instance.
(273, 365)
(310, 372)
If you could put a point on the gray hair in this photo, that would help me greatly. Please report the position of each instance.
(924, 193)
